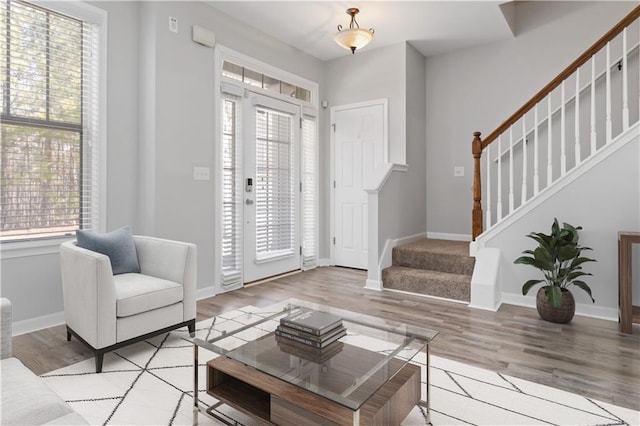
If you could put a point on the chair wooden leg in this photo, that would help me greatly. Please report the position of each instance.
(68, 335)
(192, 327)
(99, 359)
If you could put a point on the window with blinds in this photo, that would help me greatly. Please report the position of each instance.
(49, 122)
(231, 193)
(274, 186)
(309, 193)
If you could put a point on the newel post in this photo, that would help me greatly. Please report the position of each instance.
(476, 218)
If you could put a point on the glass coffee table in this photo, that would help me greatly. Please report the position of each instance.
(366, 377)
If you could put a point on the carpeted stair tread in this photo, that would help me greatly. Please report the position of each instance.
(428, 282)
(436, 255)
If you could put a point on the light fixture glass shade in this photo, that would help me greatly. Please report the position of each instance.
(353, 38)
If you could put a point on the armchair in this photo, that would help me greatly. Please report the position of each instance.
(106, 311)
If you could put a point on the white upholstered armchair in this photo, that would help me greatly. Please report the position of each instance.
(107, 311)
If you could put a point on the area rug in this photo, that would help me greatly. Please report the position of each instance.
(151, 383)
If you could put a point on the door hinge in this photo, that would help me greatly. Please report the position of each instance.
(334, 241)
(300, 250)
(334, 127)
(300, 186)
(301, 122)
(334, 184)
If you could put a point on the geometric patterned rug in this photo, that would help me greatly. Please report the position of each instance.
(151, 383)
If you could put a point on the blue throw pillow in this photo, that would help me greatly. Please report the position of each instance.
(118, 245)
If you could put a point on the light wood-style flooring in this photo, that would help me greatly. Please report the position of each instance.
(589, 357)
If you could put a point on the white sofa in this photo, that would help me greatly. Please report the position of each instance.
(107, 311)
(26, 399)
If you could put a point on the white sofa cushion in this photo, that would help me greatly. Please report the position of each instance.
(137, 293)
(26, 399)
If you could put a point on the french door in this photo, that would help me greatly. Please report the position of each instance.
(271, 188)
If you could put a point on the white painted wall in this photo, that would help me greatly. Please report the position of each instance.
(477, 89)
(603, 201)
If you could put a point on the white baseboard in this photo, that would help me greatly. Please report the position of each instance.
(324, 261)
(373, 285)
(38, 323)
(582, 309)
(445, 236)
(205, 292)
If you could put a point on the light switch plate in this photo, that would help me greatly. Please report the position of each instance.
(458, 171)
(201, 173)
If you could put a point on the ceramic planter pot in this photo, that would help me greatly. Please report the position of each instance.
(562, 314)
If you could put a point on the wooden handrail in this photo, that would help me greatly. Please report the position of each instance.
(478, 144)
(581, 60)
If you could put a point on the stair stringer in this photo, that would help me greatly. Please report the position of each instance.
(614, 206)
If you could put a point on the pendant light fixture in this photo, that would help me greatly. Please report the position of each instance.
(354, 37)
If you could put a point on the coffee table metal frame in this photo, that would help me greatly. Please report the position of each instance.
(416, 334)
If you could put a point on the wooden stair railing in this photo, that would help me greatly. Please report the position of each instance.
(479, 144)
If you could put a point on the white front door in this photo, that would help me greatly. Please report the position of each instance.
(358, 149)
(271, 188)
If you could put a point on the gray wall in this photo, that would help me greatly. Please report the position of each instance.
(477, 89)
(180, 130)
(370, 75)
(402, 204)
(33, 282)
(160, 111)
(603, 201)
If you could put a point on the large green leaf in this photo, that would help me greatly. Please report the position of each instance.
(554, 295)
(527, 286)
(579, 261)
(555, 228)
(543, 259)
(575, 274)
(567, 253)
(585, 287)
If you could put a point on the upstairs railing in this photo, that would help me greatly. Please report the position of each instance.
(572, 105)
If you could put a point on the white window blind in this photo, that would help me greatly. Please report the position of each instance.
(309, 193)
(231, 192)
(274, 186)
(49, 86)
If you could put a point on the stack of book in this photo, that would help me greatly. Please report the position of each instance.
(310, 334)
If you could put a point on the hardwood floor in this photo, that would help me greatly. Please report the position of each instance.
(589, 357)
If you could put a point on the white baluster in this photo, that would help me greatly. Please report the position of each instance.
(536, 178)
(510, 169)
(625, 83)
(549, 142)
(608, 95)
(563, 136)
(499, 203)
(524, 162)
(577, 119)
(489, 186)
(593, 105)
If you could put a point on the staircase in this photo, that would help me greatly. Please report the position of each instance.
(438, 268)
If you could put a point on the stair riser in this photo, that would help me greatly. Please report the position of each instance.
(414, 283)
(433, 261)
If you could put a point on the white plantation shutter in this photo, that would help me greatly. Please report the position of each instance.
(231, 192)
(274, 184)
(49, 105)
(309, 192)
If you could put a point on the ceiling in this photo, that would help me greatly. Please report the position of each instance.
(432, 27)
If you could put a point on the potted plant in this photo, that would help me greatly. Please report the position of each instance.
(559, 258)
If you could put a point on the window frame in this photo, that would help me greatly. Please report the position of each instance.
(44, 245)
